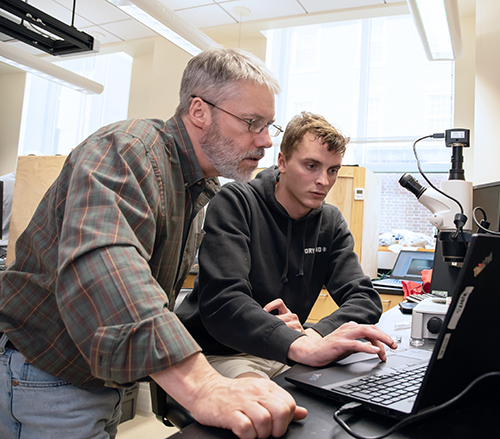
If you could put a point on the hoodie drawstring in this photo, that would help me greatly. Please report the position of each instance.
(284, 276)
(301, 266)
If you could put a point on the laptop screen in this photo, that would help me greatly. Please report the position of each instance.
(410, 264)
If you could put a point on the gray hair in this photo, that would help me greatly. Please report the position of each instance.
(214, 75)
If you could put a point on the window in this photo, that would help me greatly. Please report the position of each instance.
(56, 118)
(305, 49)
(371, 79)
(438, 108)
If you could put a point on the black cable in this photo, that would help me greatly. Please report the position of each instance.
(73, 14)
(381, 276)
(464, 240)
(410, 419)
(484, 229)
(434, 136)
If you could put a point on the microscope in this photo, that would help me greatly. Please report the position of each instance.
(451, 208)
(451, 205)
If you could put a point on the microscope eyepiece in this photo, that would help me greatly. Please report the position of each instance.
(410, 183)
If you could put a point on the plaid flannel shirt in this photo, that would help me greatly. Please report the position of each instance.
(90, 295)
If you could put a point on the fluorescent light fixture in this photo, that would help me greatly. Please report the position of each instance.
(160, 19)
(438, 24)
(37, 66)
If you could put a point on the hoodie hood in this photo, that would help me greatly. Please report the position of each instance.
(264, 184)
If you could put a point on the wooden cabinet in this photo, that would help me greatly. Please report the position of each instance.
(34, 175)
(189, 281)
(357, 194)
(325, 305)
(390, 300)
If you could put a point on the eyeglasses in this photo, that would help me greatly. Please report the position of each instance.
(254, 125)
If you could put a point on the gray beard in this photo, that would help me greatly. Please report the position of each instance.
(220, 152)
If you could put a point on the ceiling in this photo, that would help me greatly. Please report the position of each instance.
(108, 24)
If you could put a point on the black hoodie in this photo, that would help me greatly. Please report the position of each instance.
(254, 252)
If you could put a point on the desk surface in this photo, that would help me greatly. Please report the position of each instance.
(459, 422)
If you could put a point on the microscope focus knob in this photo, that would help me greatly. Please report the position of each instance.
(434, 325)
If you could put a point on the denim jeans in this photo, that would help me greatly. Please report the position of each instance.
(34, 404)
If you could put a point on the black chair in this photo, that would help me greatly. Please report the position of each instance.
(168, 410)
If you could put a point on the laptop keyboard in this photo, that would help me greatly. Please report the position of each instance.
(391, 281)
(386, 389)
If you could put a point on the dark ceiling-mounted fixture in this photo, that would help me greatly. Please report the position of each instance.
(40, 30)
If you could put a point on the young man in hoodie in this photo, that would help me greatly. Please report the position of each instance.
(271, 245)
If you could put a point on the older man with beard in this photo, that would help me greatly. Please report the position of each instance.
(86, 308)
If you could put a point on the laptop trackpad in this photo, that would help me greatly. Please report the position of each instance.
(422, 354)
(361, 364)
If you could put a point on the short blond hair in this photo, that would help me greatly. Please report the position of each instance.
(319, 127)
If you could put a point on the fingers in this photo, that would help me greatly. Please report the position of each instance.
(368, 332)
(270, 413)
(292, 321)
(284, 314)
(373, 347)
(300, 413)
(253, 421)
(345, 341)
(283, 409)
(251, 408)
(277, 304)
(382, 355)
(243, 426)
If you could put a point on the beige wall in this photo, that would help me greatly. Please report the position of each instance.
(465, 69)
(139, 87)
(156, 78)
(11, 104)
(487, 93)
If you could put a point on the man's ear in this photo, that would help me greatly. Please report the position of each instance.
(281, 162)
(199, 113)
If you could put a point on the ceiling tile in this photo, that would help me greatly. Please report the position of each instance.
(312, 6)
(129, 29)
(263, 9)
(185, 4)
(96, 11)
(204, 16)
(103, 35)
(53, 9)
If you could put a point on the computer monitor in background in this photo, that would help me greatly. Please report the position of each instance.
(487, 196)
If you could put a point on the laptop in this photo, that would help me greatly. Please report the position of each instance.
(466, 348)
(408, 267)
